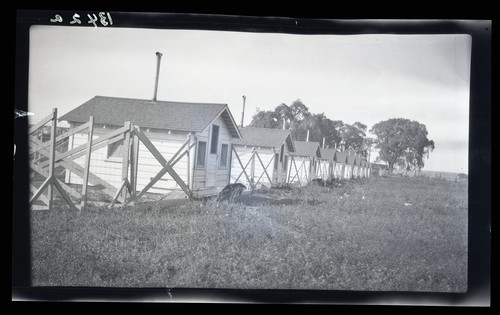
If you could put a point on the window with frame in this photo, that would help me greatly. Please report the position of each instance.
(115, 150)
(215, 139)
(201, 154)
(285, 162)
(282, 151)
(223, 155)
(276, 161)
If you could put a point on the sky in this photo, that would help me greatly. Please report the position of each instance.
(365, 78)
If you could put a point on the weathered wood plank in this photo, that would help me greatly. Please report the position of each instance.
(45, 173)
(96, 144)
(41, 123)
(40, 190)
(87, 162)
(64, 195)
(52, 156)
(69, 133)
(172, 163)
(134, 166)
(42, 197)
(265, 169)
(243, 170)
(153, 181)
(117, 194)
(149, 145)
(178, 180)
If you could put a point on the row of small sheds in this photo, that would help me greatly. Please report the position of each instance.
(220, 152)
(269, 157)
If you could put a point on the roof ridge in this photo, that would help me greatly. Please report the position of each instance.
(157, 101)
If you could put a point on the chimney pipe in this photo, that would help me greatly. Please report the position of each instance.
(307, 139)
(284, 123)
(335, 145)
(158, 60)
(243, 112)
(323, 142)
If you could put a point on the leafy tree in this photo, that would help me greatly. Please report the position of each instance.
(353, 136)
(265, 119)
(299, 120)
(402, 142)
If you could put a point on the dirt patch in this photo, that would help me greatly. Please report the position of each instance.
(261, 200)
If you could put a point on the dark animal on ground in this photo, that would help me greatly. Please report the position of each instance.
(230, 192)
(319, 182)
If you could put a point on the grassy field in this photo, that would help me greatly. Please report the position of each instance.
(385, 234)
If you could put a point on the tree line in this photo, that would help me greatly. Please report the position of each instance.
(401, 142)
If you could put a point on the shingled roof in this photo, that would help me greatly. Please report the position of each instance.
(327, 153)
(341, 157)
(351, 157)
(181, 116)
(305, 148)
(265, 137)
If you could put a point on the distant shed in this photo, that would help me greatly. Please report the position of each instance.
(303, 162)
(340, 164)
(326, 163)
(351, 160)
(167, 125)
(262, 156)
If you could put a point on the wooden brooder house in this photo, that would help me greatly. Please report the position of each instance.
(351, 159)
(340, 164)
(205, 130)
(261, 157)
(302, 168)
(326, 163)
(357, 166)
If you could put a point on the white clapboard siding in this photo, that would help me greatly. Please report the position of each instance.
(212, 176)
(244, 154)
(149, 166)
(110, 169)
(168, 144)
(303, 164)
(323, 169)
(265, 154)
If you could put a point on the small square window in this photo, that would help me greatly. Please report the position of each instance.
(115, 149)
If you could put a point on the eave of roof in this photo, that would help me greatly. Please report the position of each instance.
(167, 115)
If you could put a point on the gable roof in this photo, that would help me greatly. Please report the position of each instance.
(341, 157)
(265, 137)
(351, 157)
(160, 114)
(327, 153)
(305, 148)
(358, 159)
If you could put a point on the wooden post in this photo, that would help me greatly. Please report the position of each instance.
(52, 158)
(252, 168)
(126, 160)
(190, 186)
(134, 166)
(86, 171)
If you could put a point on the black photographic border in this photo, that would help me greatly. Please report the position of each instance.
(479, 275)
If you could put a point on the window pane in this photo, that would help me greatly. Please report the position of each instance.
(200, 155)
(115, 149)
(281, 152)
(276, 157)
(285, 163)
(223, 155)
(215, 139)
